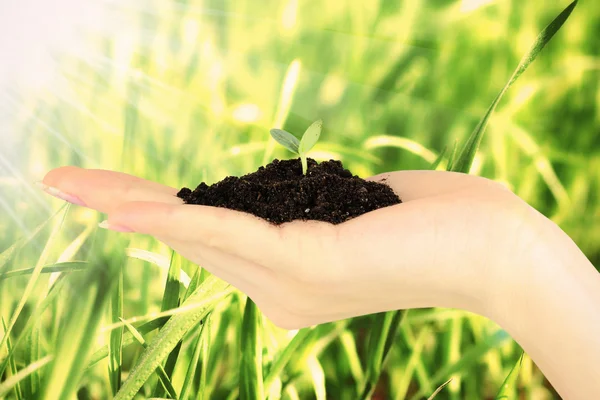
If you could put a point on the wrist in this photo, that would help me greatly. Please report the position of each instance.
(552, 309)
(550, 265)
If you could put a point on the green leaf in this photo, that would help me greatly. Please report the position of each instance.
(467, 154)
(310, 137)
(251, 378)
(286, 139)
(510, 381)
(200, 303)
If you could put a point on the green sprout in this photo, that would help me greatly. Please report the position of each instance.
(300, 147)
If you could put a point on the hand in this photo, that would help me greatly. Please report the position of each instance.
(455, 241)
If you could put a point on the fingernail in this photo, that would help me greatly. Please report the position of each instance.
(113, 227)
(52, 191)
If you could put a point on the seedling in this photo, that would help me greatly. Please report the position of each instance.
(302, 146)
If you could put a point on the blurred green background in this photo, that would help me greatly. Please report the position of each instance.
(187, 93)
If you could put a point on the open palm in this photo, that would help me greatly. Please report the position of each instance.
(453, 242)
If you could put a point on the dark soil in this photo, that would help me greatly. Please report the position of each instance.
(279, 193)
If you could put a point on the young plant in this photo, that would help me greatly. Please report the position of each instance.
(302, 146)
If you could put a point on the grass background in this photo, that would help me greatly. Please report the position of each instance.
(189, 91)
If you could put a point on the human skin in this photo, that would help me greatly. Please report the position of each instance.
(456, 241)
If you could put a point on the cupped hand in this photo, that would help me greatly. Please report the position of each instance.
(455, 241)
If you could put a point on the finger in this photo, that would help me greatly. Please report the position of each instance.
(413, 185)
(237, 233)
(104, 190)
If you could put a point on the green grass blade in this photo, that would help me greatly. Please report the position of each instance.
(317, 375)
(251, 377)
(468, 359)
(416, 352)
(288, 89)
(34, 318)
(282, 359)
(162, 375)
(7, 385)
(383, 332)
(397, 317)
(11, 362)
(467, 154)
(170, 298)
(145, 328)
(452, 158)
(47, 269)
(203, 392)
(439, 389)
(195, 281)
(34, 277)
(439, 159)
(382, 141)
(422, 374)
(157, 260)
(511, 380)
(7, 254)
(206, 296)
(191, 371)
(115, 346)
(170, 301)
(32, 353)
(348, 344)
(137, 336)
(87, 298)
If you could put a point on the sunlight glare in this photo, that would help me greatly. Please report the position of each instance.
(33, 33)
(247, 113)
(472, 5)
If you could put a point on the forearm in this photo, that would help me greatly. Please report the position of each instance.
(554, 314)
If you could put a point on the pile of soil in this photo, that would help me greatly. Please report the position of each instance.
(279, 192)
